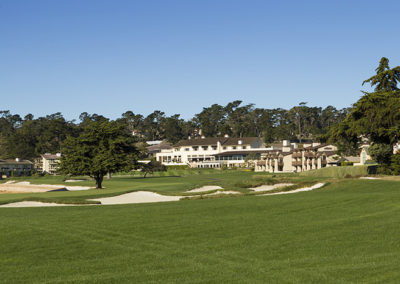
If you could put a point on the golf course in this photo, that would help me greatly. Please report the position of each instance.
(344, 232)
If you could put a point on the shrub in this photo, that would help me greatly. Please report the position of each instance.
(338, 172)
(395, 164)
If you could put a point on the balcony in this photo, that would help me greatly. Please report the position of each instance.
(309, 155)
(297, 155)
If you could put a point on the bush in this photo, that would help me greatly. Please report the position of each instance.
(338, 172)
(381, 153)
(345, 163)
(177, 167)
(395, 164)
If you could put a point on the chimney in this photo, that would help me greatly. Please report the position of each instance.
(58, 154)
(17, 159)
(226, 136)
(203, 137)
(286, 143)
(240, 142)
(190, 137)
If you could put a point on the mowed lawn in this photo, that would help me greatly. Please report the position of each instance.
(347, 232)
(175, 184)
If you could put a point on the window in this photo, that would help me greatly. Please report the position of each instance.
(214, 147)
(204, 147)
(224, 148)
(244, 147)
(187, 149)
(195, 148)
(234, 147)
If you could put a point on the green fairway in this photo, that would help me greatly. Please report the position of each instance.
(347, 232)
(169, 184)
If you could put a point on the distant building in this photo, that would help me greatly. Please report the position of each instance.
(211, 152)
(291, 158)
(15, 167)
(47, 163)
(155, 148)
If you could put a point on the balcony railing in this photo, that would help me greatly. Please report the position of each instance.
(297, 155)
(309, 155)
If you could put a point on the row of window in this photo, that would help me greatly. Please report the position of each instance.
(205, 148)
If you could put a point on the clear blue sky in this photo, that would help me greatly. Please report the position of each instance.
(108, 57)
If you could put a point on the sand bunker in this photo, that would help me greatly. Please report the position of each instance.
(26, 187)
(33, 204)
(270, 187)
(315, 186)
(205, 188)
(74, 180)
(223, 192)
(369, 178)
(137, 197)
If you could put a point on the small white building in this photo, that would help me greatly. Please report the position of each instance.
(48, 163)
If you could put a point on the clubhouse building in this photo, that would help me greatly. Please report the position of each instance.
(219, 152)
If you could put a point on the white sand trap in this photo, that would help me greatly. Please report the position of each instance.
(75, 187)
(315, 186)
(369, 178)
(74, 180)
(223, 192)
(23, 183)
(137, 197)
(270, 187)
(33, 204)
(205, 188)
(26, 187)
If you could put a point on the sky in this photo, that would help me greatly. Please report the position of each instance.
(178, 56)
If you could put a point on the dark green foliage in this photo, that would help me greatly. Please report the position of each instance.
(151, 167)
(102, 147)
(395, 164)
(381, 153)
(376, 116)
(386, 79)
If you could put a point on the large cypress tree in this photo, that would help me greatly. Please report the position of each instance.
(375, 115)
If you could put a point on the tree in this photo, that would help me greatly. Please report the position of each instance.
(103, 147)
(386, 79)
(381, 153)
(152, 166)
(375, 115)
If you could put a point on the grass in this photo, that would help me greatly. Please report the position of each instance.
(166, 185)
(346, 232)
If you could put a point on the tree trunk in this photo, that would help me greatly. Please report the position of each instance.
(99, 180)
(108, 175)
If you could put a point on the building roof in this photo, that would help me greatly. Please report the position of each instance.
(235, 141)
(158, 147)
(48, 156)
(14, 162)
(225, 141)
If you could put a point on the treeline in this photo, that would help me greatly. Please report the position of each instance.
(27, 137)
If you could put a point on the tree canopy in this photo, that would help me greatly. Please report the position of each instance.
(102, 147)
(375, 116)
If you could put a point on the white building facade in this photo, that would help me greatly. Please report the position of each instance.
(208, 152)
